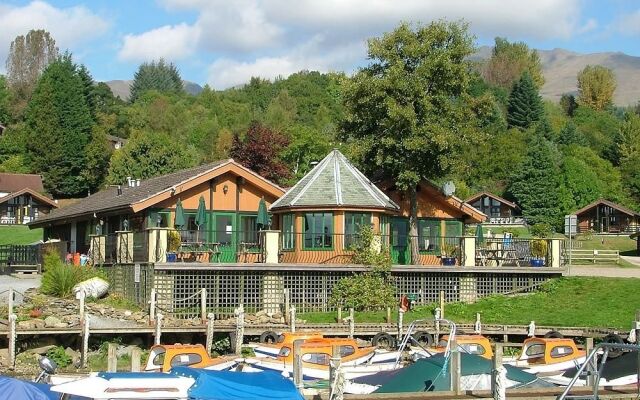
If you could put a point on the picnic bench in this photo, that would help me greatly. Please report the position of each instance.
(195, 250)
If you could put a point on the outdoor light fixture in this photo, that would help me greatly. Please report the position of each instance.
(225, 189)
(159, 221)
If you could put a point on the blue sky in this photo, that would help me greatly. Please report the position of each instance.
(225, 42)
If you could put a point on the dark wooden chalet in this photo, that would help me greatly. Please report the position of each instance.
(604, 216)
(498, 210)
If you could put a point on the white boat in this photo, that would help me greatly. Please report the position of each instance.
(107, 386)
(548, 355)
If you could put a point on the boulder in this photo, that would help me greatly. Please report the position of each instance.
(261, 313)
(42, 350)
(51, 321)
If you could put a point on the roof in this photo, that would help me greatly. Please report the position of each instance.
(493, 196)
(607, 203)
(334, 182)
(42, 198)
(14, 182)
(152, 191)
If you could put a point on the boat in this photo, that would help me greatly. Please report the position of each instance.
(619, 371)
(548, 355)
(164, 357)
(433, 374)
(266, 349)
(470, 344)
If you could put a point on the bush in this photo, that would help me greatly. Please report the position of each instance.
(59, 356)
(173, 241)
(60, 278)
(539, 248)
(542, 230)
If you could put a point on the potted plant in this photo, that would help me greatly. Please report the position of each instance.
(448, 254)
(538, 252)
(173, 244)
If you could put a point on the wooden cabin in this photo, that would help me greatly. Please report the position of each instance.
(22, 198)
(499, 211)
(604, 216)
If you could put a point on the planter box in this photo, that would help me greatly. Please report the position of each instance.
(449, 261)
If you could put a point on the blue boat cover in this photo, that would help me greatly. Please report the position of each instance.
(231, 385)
(16, 389)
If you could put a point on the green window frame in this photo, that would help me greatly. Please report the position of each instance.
(429, 236)
(288, 232)
(453, 228)
(318, 231)
(353, 222)
(249, 229)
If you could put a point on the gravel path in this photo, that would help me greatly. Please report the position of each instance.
(20, 284)
(605, 271)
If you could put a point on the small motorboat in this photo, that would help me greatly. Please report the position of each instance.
(271, 343)
(548, 355)
(619, 371)
(164, 357)
(470, 344)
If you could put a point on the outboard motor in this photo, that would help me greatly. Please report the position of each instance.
(48, 367)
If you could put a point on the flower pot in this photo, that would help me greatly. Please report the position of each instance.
(536, 262)
(449, 261)
(171, 257)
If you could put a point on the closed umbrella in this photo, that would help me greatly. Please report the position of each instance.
(479, 234)
(263, 215)
(201, 214)
(180, 220)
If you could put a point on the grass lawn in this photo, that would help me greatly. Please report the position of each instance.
(626, 246)
(19, 234)
(574, 301)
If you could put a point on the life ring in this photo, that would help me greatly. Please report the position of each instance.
(615, 339)
(384, 340)
(554, 335)
(423, 338)
(269, 337)
(405, 304)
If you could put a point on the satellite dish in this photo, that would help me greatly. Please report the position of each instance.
(449, 188)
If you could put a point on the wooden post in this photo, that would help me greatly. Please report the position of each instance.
(455, 368)
(497, 362)
(203, 305)
(158, 331)
(339, 315)
(152, 307)
(10, 305)
(287, 304)
(400, 324)
(135, 359)
(297, 363)
(84, 352)
(239, 330)
(442, 304)
(292, 319)
(477, 327)
(210, 320)
(591, 368)
(388, 315)
(82, 299)
(112, 358)
(334, 364)
(352, 323)
(12, 339)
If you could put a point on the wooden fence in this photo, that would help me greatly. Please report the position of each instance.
(595, 256)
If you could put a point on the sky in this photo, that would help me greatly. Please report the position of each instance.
(224, 43)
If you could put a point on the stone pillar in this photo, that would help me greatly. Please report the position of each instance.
(124, 247)
(469, 248)
(97, 248)
(556, 260)
(271, 246)
(468, 289)
(157, 244)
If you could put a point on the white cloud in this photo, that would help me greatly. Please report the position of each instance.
(69, 26)
(169, 42)
(629, 24)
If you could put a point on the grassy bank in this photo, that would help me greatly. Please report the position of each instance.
(575, 301)
(19, 234)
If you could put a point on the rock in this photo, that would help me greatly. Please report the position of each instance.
(251, 318)
(74, 355)
(60, 325)
(127, 313)
(264, 319)
(277, 315)
(261, 313)
(41, 350)
(51, 321)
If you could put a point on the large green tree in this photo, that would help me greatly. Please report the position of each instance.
(58, 123)
(525, 104)
(509, 61)
(160, 76)
(407, 112)
(5, 114)
(596, 85)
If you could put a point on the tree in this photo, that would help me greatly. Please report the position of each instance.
(569, 134)
(306, 145)
(259, 151)
(568, 104)
(158, 76)
(5, 115)
(509, 61)
(536, 184)
(407, 112)
(148, 154)
(629, 151)
(98, 152)
(525, 104)
(596, 85)
(28, 57)
(58, 124)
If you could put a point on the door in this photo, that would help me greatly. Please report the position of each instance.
(400, 252)
(225, 235)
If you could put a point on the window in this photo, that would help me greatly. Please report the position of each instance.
(495, 208)
(158, 359)
(453, 229)
(353, 222)
(561, 351)
(249, 229)
(346, 351)
(284, 351)
(288, 232)
(472, 348)
(535, 350)
(429, 235)
(318, 231)
(185, 359)
(316, 358)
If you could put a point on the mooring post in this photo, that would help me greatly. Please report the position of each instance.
(239, 330)
(82, 295)
(210, 320)
(437, 318)
(10, 303)
(400, 323)
(352, 322)
(455, 368)
(112, 357)
(442, 304)
(334, 365)
(339, 320)
(292, 319)
(12, 340)
(287, 304)
(497, 364)
(477, 327)
(158, 330)
(152, 307)
(591, 368)
(388, 315)
(297, 363)
(136, 354)
(84, 352)
(203, 305)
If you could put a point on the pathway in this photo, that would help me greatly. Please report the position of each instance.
(609, 271)
(20, 284)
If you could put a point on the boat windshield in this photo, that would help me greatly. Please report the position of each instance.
(284, 351)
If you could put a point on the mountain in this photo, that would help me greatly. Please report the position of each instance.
(561, 68)
(120, 88)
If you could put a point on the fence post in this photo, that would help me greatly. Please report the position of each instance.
(84, 352)
(135, 359)
(339, 319)
(239, 329)
(158, 331)
(292, 319)
(442, 304)
(287, 304)
(112, 358)
(10, 305)
(455, 368)
(210, 320)
(152, 307)
(497, 365)
(203, 305)
(82, 295)
(352, 323)
(388, 315)
(12, 340)
(477, 327)
(400, 323)
(297, 363)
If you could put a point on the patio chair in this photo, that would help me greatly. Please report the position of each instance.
(509, 249)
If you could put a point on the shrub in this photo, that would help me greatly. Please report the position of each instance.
(173, 241)
(448, 250)
(539, 248)
(59, 356)
(542, 230)
(60, 278)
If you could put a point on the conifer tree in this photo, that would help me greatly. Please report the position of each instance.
(160, 76)
(58, 124)
(569, 134)
(525, 104)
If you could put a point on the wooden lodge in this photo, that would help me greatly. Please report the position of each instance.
(22, 200)
(604, 216)
(499, 211)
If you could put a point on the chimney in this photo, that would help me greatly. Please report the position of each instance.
(129, 181)
(119, 190)
(137, 182)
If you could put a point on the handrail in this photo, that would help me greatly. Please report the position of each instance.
(589, 360)
(408, 336)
